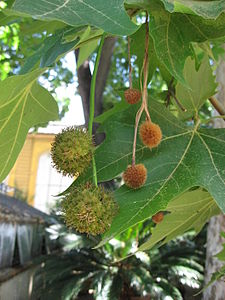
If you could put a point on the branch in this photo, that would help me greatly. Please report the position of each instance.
(84, 81)
(217, 105)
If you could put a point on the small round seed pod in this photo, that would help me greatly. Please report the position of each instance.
(150, 134)
(72, 150)
(157, 218)
(132, 96)
(89, 209)
(135, 176)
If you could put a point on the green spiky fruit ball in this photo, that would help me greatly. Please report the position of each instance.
(72, 150)
(89, 209)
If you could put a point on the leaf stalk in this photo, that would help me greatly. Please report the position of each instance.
(92, 104)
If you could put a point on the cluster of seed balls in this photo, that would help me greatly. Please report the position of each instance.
(150, 134)
(87, 208)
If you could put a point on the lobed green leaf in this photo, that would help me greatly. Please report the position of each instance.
(186, 157)
(202, 85)
(23, 104)
(111, 18)
(191, 210)
(206, 9)
(173, 33)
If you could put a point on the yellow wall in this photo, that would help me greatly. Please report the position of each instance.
(24, 173)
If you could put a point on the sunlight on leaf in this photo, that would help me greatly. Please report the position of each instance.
(23, 104)
(188, 211)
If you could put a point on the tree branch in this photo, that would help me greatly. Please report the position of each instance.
(84, 81)
(84, 85)
(217, 105)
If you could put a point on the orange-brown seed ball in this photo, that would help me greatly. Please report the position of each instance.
(150, 134)
(135, 176)
(157, 218)
(132, 96)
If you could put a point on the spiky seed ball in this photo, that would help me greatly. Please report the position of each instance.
(157, 218)
(89, 209)
(135, 176)
(150, 134)
(132, 96)
(71, 151)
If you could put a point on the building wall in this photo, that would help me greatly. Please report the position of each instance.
(20, 287)
(48, 184)
(34, 175)
(24, 173)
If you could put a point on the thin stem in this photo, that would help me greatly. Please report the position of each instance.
(144, 105)
(92, 103)
(137, 120)
(217, 105)
(145, 71)
(129, 61)
(212, 118)
(178, 102)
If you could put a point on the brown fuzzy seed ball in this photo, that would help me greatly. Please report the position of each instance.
(157, 218)
(150, 134)
(135, 176)
(132, 96)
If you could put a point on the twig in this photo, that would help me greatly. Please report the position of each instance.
(168, 93)
(92, 103)
(212, 118)
(171, 93)
(217, 105)
(177, 101)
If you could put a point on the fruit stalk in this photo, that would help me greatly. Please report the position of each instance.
(145, 70)
(129, 61)
(92, 103)
(144, 105)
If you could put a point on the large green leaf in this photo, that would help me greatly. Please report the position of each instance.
(173, 33)
(111, 18)
(186, 157)
(188, 211)
(206, 9)
(23, 104)
(8, 16)
(202, 86)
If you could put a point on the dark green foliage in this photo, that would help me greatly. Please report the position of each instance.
(172, 270)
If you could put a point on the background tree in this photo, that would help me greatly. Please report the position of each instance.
(216, 225)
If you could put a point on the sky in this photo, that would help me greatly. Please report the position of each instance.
(75, 115)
